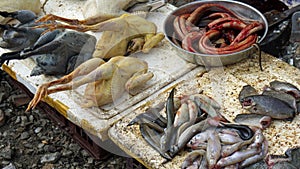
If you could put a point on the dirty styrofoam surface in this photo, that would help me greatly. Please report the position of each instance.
(224, 85)
(163, 61)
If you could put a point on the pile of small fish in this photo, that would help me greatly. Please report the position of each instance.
(186, 116)
(279, 100)
(223, 147)
(194, 121)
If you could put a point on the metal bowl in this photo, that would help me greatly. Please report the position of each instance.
(241, 9)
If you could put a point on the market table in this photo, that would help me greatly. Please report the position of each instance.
(224, 85)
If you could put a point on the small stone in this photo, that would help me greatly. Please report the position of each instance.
(48, 166)
(74, 147)
(18, 120)
(50, 158)
(90, 160)
(24, 120)
(6, 153)
(5, 162)
(41, 145)
(8, 110)
(37, 130)
(67, 153)
(24, 135)
(85, 153)
(31, 118)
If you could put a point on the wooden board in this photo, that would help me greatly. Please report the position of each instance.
(223, 84)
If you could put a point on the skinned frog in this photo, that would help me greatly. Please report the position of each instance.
(123, 35)
(106, 81)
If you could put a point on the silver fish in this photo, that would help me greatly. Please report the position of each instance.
(228, 138)
(213, 151)
(257, 157)
(236, 157)
(256, 120)
(229, 149)
(192, 157)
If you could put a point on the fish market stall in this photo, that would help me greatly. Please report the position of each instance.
(223, 84)
(180, 73)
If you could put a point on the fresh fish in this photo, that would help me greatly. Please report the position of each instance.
(192, 116)
(152, 114)
(258, 157)
(269, 106)
(230, 149)
(187, 135)
(247, 90)
(213, 151)
(198, 139)
(207, 99)
(256, 120)
(191, 157)
(236, 157)
(284, 165)
(182, 115)
(228, 138)
(170, 109)
(286, 87)
(207, 108)
(169, 138)
(294, 154)
(289, 99)
(153, 139)
(258, 139)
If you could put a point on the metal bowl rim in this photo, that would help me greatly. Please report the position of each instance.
(213, 1)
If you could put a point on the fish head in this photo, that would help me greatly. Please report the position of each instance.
(247, 102)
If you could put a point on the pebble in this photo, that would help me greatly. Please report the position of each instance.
(49, 158)
(24, 136)
(10, 166)
(37, 130)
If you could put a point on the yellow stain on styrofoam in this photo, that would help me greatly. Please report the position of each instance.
(88, 126)
(9, 71)
(59, 106)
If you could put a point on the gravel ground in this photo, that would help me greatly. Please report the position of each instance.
(32, 140)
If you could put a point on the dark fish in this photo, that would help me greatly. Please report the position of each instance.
(153, 115)
(290, 100)
(257, 120)
(247, 91)
(169, 137)
(286, 87)
(153, 138)
(294, 154)
(244, 131)
(284, 165)
(269, 106)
